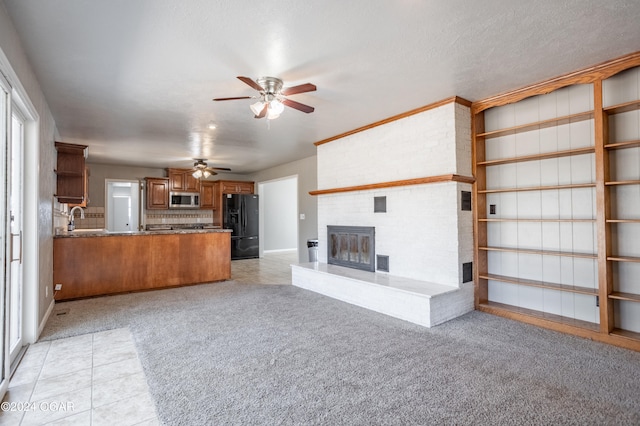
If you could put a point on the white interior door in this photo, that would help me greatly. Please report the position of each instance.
(121, 214)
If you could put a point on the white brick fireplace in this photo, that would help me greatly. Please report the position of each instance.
(418, 166)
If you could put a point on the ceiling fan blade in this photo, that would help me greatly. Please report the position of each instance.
(251, 83)
(225, 169)
(298, 106)
(232, 99)
(264, 111)
(307, 87)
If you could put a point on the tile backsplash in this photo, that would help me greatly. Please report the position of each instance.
(95, 217)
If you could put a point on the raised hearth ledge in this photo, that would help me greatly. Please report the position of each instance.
(420, 302)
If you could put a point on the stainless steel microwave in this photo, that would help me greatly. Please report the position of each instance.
(184, 200)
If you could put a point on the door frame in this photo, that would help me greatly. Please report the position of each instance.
(261, 212)
(31, 326)
(139, 207)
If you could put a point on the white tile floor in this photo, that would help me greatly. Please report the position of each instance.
(97, 379)
(93, 379)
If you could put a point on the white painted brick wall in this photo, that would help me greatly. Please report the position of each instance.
(417, 146)
(423, 232)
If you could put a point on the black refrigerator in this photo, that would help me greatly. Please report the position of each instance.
(240, 214)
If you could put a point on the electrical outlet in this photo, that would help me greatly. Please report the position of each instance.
(58, 287)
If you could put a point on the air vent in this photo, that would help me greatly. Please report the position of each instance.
(382, 263)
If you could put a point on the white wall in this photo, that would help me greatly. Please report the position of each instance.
(39, 180)
(279, 200)
(423, 232)
(306, 171)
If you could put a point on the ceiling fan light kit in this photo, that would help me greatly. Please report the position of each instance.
(202, 169)
(273, 97)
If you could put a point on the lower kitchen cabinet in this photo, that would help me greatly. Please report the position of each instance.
(99, 265)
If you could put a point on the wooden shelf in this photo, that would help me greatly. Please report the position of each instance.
(626, 334)
(624, 259)
(543, 156)
(542, 252)
(501, 309)
(623, 107)
(538, 220)
(541, 284)
(552, 122)
(538, 188)
(623, 145)
(625, 296)
(623, 182)
(623, 220)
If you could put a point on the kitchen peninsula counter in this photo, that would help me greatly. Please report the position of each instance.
(96, 263)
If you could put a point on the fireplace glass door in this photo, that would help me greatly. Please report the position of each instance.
(351, 246)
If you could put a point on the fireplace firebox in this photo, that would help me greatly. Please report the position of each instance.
(351, 246)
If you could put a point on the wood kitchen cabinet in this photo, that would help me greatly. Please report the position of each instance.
(157, 193)
(208, 195)
(85, 266)
(236, 187)
(72, 174)
(182, 180)
(222, 187)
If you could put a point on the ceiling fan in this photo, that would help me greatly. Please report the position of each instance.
(273, 96)
(201, 169)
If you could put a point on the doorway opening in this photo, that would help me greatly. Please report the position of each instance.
(278, 215)
(122, 205)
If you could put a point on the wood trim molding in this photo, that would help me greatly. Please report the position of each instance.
(588, 75)
(453, 99)
(406, 182)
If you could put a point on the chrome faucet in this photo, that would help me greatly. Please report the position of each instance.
(72, 224)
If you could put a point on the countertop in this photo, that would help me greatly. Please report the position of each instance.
(82, 233)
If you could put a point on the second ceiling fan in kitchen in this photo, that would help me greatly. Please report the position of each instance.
(201, 169)
(273, 97)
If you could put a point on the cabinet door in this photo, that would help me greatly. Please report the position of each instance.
(190, 183)
(176, 180)
(245, 187)
(229, 188)
(157, 193)
(207, 195)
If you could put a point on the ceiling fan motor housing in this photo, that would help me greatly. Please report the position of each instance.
(271, 85)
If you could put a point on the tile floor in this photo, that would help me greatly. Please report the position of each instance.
(273, 268)
(93, 379)
(97, 379)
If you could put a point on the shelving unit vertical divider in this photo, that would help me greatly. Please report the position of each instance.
(603, 207)
(480, 210)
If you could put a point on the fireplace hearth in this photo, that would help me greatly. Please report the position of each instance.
(351, 246)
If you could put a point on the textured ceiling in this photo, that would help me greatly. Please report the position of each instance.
(134, 79)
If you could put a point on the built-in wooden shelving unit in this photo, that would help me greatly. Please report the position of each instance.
(563, 255)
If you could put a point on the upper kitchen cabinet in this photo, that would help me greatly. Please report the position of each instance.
(208, 195)
(222, 187)
(72, 174)
(157, 193)
(235, 187)
(182, 180)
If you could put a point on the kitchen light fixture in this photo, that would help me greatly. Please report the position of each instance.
(202, 169)
(212, 125)
(201, 173)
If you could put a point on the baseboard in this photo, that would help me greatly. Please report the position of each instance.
(279, 250)
(46, 318)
